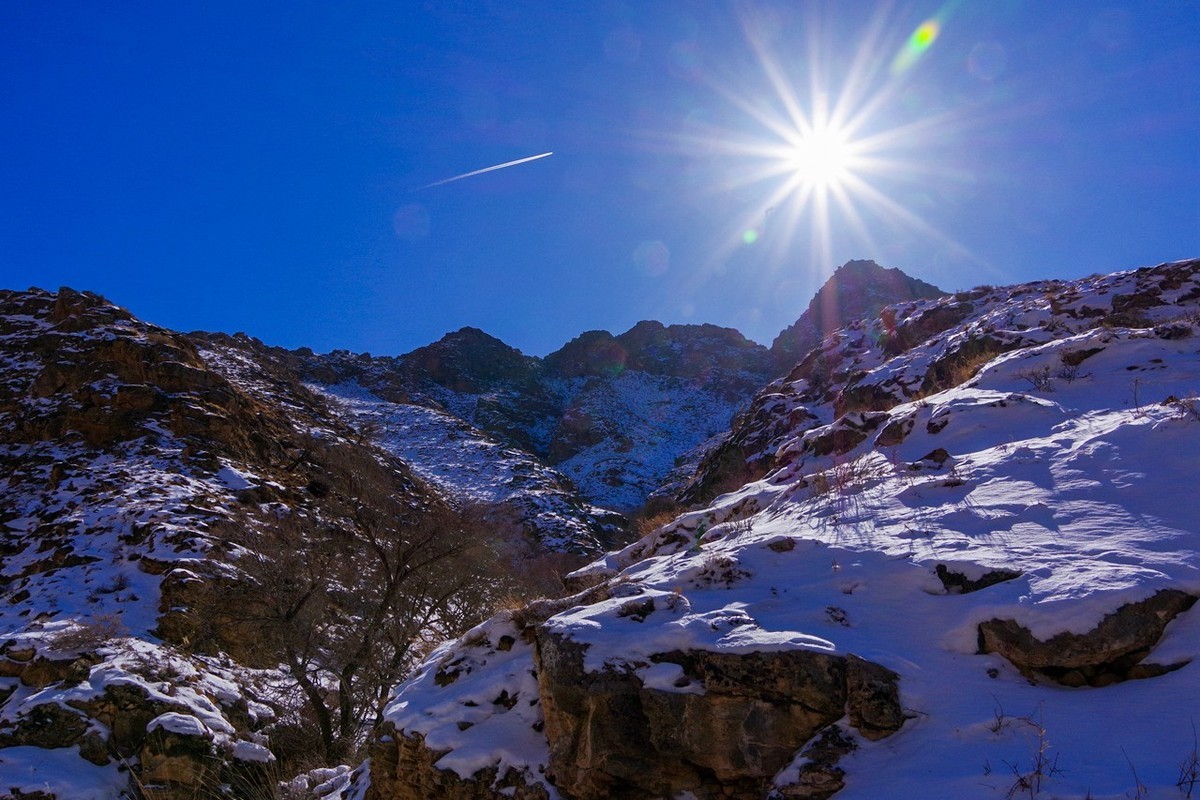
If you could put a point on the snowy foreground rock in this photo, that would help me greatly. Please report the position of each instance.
(967, 570)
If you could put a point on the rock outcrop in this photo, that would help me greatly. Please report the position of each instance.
(727, 726)
(1111, 652)
(403, 767)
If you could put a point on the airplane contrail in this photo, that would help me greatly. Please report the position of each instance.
(487, 169)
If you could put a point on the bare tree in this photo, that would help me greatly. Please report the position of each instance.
(350, 594)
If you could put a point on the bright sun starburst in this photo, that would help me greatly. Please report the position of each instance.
(822, 159)
(829, 138)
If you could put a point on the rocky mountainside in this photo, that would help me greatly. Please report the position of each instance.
(207, 573)
(960, 560)
(465, 463)
(207, 544)
(856, 290)
(621, 417)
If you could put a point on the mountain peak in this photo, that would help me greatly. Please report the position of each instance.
(859, 288)
(472, 336)
(469, 359)
(681, 351)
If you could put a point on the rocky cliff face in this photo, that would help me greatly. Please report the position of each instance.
(972, 537)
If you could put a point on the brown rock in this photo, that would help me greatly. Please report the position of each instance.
(48, 725)
(958, 583)
(403, 768)
(1122, 637)
(612, 737)
(872, 698)
(175, 766)
(820, 777)
(896, 431)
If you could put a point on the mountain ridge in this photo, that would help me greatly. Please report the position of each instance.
(160, 481)
(585, 406)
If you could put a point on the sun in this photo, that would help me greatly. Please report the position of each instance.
(814, 147)
(821, 159)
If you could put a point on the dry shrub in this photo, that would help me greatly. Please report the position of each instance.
(89, 635)
(648, 525)
(1188, 407)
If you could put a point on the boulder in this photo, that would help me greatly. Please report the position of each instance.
(177, 764)
(1110, 652)
(818, 777)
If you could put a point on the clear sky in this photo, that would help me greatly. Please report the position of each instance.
(266, 166)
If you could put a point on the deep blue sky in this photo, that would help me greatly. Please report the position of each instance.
(257, 166)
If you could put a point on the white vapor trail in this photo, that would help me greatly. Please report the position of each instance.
(487, 169)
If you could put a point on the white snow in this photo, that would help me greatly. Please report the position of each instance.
(61, 773)
(181, 724)
(234, 479)
(472, 466)
(250, 751)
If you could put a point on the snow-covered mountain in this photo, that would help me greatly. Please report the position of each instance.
(613, 414)
(465, 463)
(963, 565)
(622, 417)
(170, 507)
(924, 562)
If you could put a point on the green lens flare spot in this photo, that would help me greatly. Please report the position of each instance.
(750, 236)
(917, 44)
(924, 36)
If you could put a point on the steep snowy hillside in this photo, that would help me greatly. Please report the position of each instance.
(470, 465)
(509, 486)
(122, 459)
(967, 570)
(206, 574)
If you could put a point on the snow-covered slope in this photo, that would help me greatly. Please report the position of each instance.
(1001, 511)
(412, 420)
(166, 511)
(639, 427)
(473, 467)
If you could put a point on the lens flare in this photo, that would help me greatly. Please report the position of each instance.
(916, 46)
(924, 35)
